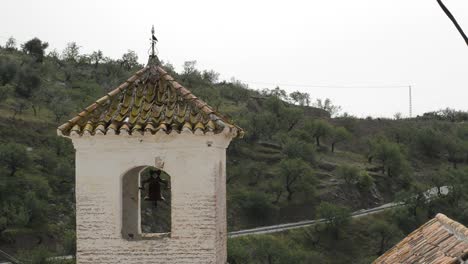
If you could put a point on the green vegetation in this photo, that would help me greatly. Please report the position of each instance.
(295, 162)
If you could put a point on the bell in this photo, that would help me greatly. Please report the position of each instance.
(149, 199)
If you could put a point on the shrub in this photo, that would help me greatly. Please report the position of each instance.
(365, 181)
(348, 173)
(336, 217)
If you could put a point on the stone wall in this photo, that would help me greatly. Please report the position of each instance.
(196, 165)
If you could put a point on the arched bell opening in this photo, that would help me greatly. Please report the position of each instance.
(146, 203)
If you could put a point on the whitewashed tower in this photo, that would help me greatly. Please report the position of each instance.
(150, 120)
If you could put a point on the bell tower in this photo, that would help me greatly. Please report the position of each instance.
(150, 120)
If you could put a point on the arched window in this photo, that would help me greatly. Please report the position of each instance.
(146, 203)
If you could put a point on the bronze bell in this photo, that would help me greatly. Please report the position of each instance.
(150, 198)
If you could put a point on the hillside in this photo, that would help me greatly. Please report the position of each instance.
(295, 162)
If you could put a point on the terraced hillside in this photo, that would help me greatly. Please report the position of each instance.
(294, 163)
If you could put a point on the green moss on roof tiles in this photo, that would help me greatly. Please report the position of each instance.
(148, 102)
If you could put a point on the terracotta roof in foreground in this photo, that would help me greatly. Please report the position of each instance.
(439, 241)
(149, 102)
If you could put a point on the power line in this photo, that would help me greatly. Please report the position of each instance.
(409, 87)
(454, 21)
(331, 86)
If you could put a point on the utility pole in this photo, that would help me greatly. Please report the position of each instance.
(410, 103)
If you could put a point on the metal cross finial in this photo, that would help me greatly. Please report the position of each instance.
(153, 41)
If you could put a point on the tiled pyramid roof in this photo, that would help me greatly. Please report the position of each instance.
(149, 102)
(439, 241)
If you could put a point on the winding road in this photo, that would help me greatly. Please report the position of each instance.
(429, 194)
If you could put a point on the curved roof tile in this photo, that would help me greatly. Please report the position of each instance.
(149, 101)
(439, 241)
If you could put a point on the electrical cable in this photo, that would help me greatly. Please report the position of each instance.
(330, 86)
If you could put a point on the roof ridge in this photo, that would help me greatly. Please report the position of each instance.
(459, 230)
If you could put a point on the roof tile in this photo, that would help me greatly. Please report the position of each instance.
(440, 241)
(149, 101)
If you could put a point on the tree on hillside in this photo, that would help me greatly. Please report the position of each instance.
(287, 116)
(390, 155)
(129, 60)
(353, 175)
(8, 71)
(5, 92)
(260, 125)
(28, 82)
(54, 55)
(302, 99)
(318, 129)
(447, 114)
(269, 249)
(36, 48)
(295, 173)
(255, 206)
(276, 92)
(256, 171)
(274, 105)
(10, 44)
(61, 106)
(18, 106)
(338, 134)
(429, 142)
(462, 132)
(415, 200)
(236, 91)
(402, 134)
(457, 181)
(385, 233)
(349, 173)
(13, 157)
(337, 218)
(3, 224)
(290, 117)
(328, 106)
(190, 67)
(96, 57)
(398, 116)
(71, 52)
(294, 148)
(364, 181)
(457, 150)
(210, 76)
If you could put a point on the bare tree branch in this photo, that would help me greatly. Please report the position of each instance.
(447, 12)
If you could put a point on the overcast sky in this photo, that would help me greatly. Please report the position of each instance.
(297, 45)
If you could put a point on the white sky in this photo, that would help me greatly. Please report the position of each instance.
(311, 43)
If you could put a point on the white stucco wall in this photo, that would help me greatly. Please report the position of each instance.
(196, 165)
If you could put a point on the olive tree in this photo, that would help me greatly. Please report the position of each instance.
(13, 156)
(338, 134)
(318, 129)
(295, 173)
(36, 48)
(336, 217)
